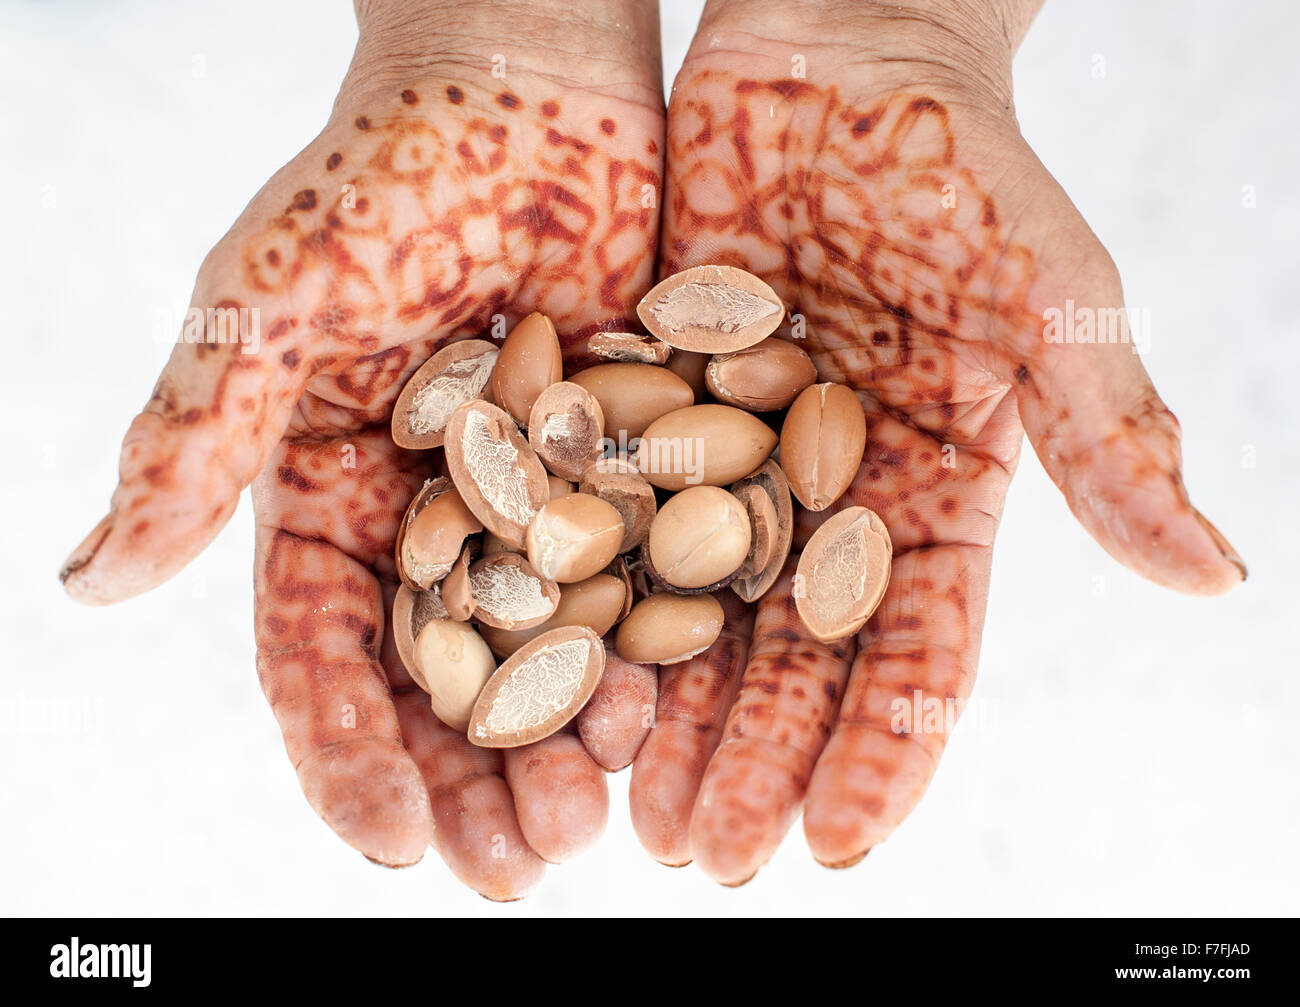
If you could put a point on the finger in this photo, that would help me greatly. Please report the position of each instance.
(756, 780)
(614, 723)
(560, 796)
(695, 697)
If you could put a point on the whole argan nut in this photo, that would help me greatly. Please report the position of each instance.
(574, 537)
(431, 534)
(565, 428)
(628, 347)
(596, 603)
(510, 594)
(455, 374)
(539, 689)
(708, 445)
(617, 482)
(699, 537)
(822, 443)
(668, 628)
(456, 665)
(412, 610)
(528, 363)
(632, 396)
(711, 309)
(843, 573)
(771, 480)
(760, 378)
(498, 475)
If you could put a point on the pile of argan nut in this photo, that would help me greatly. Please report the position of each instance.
(625, 495)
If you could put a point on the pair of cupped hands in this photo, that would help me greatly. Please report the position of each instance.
(484, 161)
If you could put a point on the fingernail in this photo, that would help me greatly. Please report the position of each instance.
(840, 865)
(85, 552)
(1225, 547)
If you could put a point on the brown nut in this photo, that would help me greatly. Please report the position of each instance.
(632, 396)
(596, 603)
(431, 534)
(822, 443)
(539, 689)
(510, 594)
(772, 481)
(843, 573)
(455, 590)
(492, 545)
(456, 665)
(565, 429)
(708, 445)
(711, 309)
(457, 373)
(668, 628)
(412, 610)
(691, 368)
(763, 377)
(496, 472)
(617, 482)
(762, 529)
(629, 347)
(574, 537)
(529, 362)
(699, 537)
(558, 487)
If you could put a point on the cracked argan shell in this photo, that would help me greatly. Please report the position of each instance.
(431, 534)
(823, 439)
(771, 480)
(412, 611)
(457, 596)
(529, 363)
(843, 573)
(629, 348)
(566, 428)
(573, 537)
(711, 309)
(669, 628)
(761, 378)
(455, 374)
(596, 603)
(510, 594)
(499, 477)
(699, 538)
(539, 688)
(619, 484)
(762, 528)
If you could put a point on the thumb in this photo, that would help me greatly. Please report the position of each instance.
(1113, 448)
(222, 402)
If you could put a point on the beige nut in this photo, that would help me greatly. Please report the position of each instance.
(455, 374)
(711, 309)
(761, 378)
(539, 688)
(708, 445)
(456, 664)
(629, 347)
(596, 603)
(699, 537)
(431, 534)
(412, 610)
(822, 443)
(499, 477)
(510, 594)
(558, 487)
(771, 480)
(574, 537)
(632, 396)
(843, 573)
(566, 428)
(529, 362)
(617, 482)
(668, 628)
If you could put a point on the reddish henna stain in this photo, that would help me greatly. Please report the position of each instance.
(362, 123)
(507, 100)
(192, 416)
(550, 109)
(333, 161)
(280, 328)
(607, 127)
(291, 477)
(290, 359)
(1022, 374)
(454, 94)
(304, 200)
(273, 257)
(948, 505)
(651, 148)
(140, 527)
(410, 97)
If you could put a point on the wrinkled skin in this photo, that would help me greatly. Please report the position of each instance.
(932, 309)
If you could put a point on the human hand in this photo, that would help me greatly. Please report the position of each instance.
(888, 196)
(440, 194)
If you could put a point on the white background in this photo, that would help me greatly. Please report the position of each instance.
(1134, 753)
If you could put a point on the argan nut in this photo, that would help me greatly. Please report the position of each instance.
(529, 362)
(456, 665)
(629, 347)
(691, 368)
(539, 688)
(843, 573)
(708, 445)
(761, 378)
(711, 309)
(699, 537)
(492, 545)
(412, 611)
(669, 628)
(762, 529)
(574, 537)
(565, 428)
(771, 480)
(455, 590)
(619, 484)
(632, 396)
(455, 374)
(822, 443)
(510, 594)
(596, 603)
(558, 487)
(430, 538)
(496, 472)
